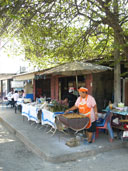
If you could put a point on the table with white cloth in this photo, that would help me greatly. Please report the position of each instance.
(31, 112)
(48, 117)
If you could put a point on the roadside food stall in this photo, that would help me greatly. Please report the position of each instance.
(53, 115)
(51, 118)
(76, 68)
(97, 78)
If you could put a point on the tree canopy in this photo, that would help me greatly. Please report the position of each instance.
(56, 31)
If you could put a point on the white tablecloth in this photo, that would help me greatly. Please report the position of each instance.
(30, 112)
(33, 113)
(26, 110)
(48, 118)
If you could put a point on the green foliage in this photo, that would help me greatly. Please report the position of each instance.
(54, 32)
(56, 106)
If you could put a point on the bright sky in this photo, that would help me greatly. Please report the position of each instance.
(12, 63)
(9, 65)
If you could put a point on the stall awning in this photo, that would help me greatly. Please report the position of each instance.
(76, 68)
(6, 76)
(28, 76)
(23, 77)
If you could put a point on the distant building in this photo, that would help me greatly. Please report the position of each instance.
(5, 83)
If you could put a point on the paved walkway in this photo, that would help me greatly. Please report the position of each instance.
(48, 147)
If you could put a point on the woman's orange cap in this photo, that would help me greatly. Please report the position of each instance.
(83, 89)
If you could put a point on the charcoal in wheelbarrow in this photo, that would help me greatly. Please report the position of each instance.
(74, 121)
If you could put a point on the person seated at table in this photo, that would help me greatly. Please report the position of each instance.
(23, 94)
(10, 98)
(20, 94)
(87, 106)
(15, 96)
(70, 98)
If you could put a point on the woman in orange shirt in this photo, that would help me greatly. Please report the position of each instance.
(87, 106)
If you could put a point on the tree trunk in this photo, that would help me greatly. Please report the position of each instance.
(117, 72)
(117, 82)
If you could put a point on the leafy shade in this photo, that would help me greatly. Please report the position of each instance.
(56, 31)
